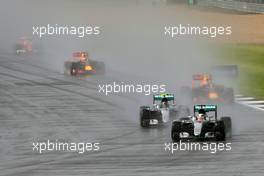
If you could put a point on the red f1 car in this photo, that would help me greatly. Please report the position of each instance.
(81, 64)
(206, 91)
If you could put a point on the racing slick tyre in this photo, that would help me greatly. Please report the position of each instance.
(73, 72)
(229, 95)
(220, 131)
(175, 131)
(228, 126)
(143, 122)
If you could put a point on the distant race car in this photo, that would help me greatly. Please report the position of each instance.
(206, 91)
(163, 112)
(81, 64)
(204, 124)
(24, 46)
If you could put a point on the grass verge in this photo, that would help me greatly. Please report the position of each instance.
(250, 59)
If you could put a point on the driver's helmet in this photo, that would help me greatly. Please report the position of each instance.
(201, 115)
(205, 81)
(164, 102)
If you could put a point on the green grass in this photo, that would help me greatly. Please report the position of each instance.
(250, 59)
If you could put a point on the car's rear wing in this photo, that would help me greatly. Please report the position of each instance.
(201, 77)
(204, 79)
(80, 54)
(169, 97)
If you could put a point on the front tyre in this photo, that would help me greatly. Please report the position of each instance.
(143, 121)
(228, 126)
(220, 131)
(176, 131)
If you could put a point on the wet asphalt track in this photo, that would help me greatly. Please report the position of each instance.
(37, 103)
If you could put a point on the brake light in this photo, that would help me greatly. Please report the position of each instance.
(213, 95)
(88, 68)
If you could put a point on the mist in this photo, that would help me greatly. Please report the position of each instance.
(131, 43)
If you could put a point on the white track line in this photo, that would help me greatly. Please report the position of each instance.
(254, 102)
(250, 102)
(261, 109)
(260, 106)
(238, 95)
(245, 98)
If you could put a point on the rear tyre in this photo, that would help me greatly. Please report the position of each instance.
(73, 72)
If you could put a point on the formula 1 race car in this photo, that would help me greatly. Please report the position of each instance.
(202, 125)
(161, 113)
(24, 46)
(207, 91)
(81, 64)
